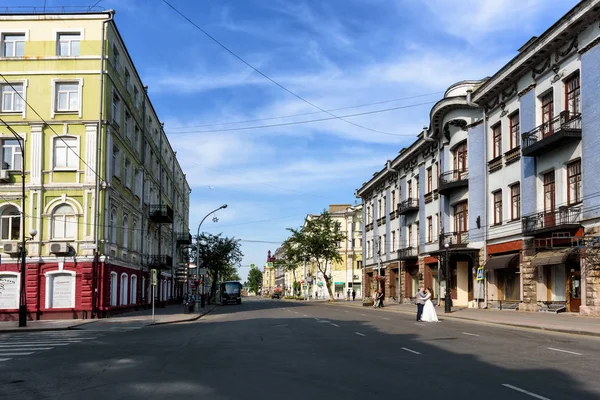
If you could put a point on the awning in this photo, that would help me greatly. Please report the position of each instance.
(502, 262)
(552, 257)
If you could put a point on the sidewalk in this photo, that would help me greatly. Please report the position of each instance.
(167, 315)
(565, 322)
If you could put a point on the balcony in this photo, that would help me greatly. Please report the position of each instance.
(160, 261)
(512, 155)
(408, 253)
(428, 197)
(407, 206)
(557, 132)
(452, 180)
(454, 239)
(184, 238)
(495, 164)
(162, 214)
(563, 219)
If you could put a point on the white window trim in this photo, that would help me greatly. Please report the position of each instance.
(81, 32)
(133, 290)
(53, 83)
(18, 276)
(48, 276)
(113, 275)
(58, 138)
(77, 212)
(12, 31)
(25, 83)
(123, 291)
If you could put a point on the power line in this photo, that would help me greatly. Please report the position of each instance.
(313, 120)
(269, 78)
(306, 113)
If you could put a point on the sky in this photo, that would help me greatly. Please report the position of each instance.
(336, 54)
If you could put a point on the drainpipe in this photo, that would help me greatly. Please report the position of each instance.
(96, 292)
(485, 190)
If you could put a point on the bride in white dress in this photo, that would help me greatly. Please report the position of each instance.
(429, 314)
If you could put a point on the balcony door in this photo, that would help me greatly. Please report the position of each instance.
(460, 161)
(549, 199)
(547, 113)
(461, 216)
(573, 96)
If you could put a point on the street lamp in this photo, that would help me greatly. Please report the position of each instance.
(447, 305)
(200, 302)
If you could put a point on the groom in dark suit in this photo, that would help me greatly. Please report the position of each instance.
(421, 298)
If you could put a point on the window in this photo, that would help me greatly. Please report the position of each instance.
(547, 113)
(12, 159)
(113, 226)
(417, 187)
(394, 199)
(64, 222)
(134, 236)
(574, 180)
(573, 95)
(133, 289)
(429, 180)
(497, 140)
(515, 201)
(124, 284)
(384, 244)
(359, 264)
(137, 183)
(393, 240)
(10, 223)
(127, 79)
(67, 96)
(549, 191)
(461, 217)
(116, 109)
(379, 208)
(116, 59)
(136, 97)
(67, 44)
(66, 153)
(515, 132)
(136, 138)
(127, 126)
(418, 232)
(384, 204)
(436, 175)
(125, 234)
(116, 161)
(127, 172)
(12, 97)
(410, 236)
(460, 159)
(368, 249)
(13, 44)
(497, 207)
(379, 246)
(409, 189)
(429, 229)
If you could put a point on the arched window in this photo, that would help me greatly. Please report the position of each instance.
(134, 236)
(125, 235)
(10, 223)
(124, 282)
(113, 288)
(64, 222)
(133, 289)
(113, 226)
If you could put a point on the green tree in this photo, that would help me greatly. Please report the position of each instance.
(318, 241)
(221, 256)
(289, 257)
(254, 280)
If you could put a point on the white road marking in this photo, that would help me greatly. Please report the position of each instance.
(337, 326)
(317, 319)
(387, 319)
(5, 359)
(324, 321)
(364, 315)
(305, 315)
(15, 354)
(32, 345)
(469, 334)
(21, 348)
(346, 311)
(564, 351)
(46, 342)
(409, 350)
(296, 312)
(537, 396)
(360, 334)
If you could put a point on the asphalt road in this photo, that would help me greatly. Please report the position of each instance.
(270, 349)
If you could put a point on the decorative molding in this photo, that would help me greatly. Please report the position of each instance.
(512, 90)
(537, 71)
(562, 54)
(590, 46)
(490, 106)
(474, 124)
(526, 90)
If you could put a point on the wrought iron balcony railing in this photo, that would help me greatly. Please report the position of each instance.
(184, 238)
(453, 179)
(407, 253)
(454, 239)
(162, 214)
(552, 134)
(160, 261)
(408, 205)
(564, 218)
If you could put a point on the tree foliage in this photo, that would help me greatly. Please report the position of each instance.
(254, 280)
(289, 256)
(221, 256)
(318, 242)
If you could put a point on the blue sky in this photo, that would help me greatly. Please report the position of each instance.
(337, 53)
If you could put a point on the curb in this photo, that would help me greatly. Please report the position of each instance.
(64, 328)
(195, 318)
(533, 327)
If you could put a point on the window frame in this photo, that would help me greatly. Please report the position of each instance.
(61, 140)
(515, 201)
(429, 180)
(578, 182)
(430, 229)
(575, 92)
(15, 94)
(497, 206)
(16, 151)
(9, 218)
(515, 129)
(55, 92)
(78, 33)
(497, 140)
(4, 33)
(64, 221)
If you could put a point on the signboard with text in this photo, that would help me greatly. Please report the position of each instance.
(9, 292)
(63, 295)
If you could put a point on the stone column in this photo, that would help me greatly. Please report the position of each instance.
(529, 273)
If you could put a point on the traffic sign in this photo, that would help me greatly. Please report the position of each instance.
(154, 277)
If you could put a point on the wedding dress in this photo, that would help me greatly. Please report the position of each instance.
(429, 314)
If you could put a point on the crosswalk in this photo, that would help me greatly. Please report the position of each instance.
(18, 345)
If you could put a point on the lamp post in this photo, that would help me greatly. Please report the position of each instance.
(447, 305)
(200, 302)
(22, 295)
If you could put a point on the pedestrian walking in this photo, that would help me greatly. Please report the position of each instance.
(353, 295)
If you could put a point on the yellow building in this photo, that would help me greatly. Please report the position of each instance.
(106, 200)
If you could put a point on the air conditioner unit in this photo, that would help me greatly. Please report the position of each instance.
(11, 248)
(4, 176)
(59, 248)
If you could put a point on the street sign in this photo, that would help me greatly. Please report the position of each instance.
(480, 273)
(87, 246)
(154, 277)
